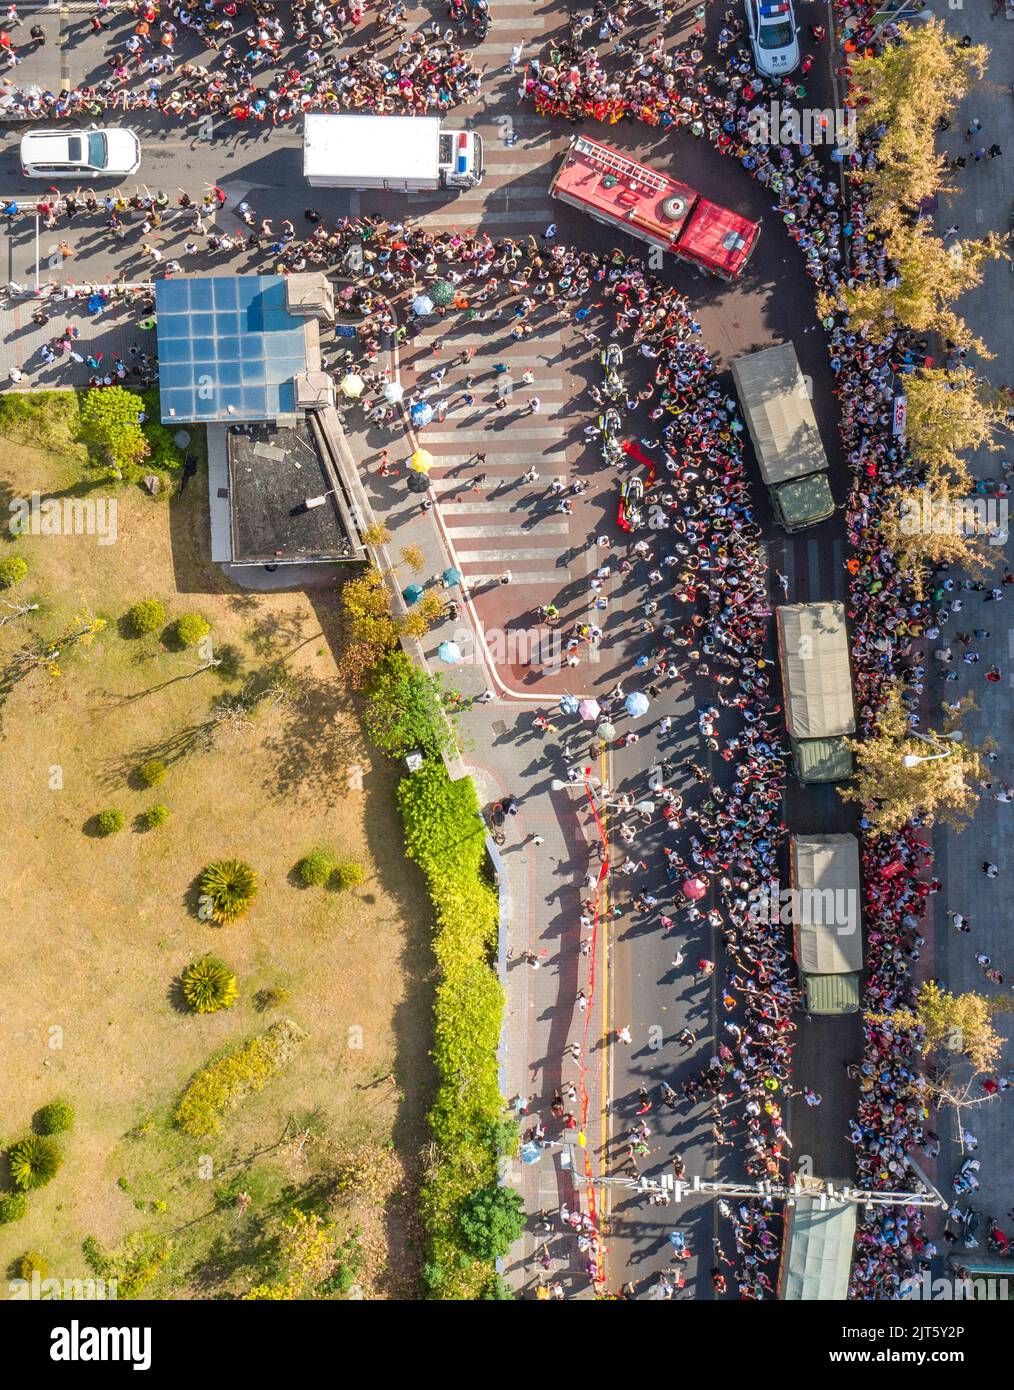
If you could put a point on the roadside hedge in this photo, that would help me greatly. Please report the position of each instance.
(445, 836)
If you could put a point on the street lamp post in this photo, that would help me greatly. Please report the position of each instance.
(914, 759)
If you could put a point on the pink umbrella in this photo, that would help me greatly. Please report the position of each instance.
(694, 888)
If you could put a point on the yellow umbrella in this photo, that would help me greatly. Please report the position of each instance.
(421, 461)
(353, 386)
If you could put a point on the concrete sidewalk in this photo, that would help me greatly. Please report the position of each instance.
(982, 204)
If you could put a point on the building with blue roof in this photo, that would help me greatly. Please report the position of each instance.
(241, 347)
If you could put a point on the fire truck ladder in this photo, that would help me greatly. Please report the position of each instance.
(613, 163)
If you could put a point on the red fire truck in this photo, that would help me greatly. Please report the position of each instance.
(622, 193)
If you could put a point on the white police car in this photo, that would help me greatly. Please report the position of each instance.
(773, 36)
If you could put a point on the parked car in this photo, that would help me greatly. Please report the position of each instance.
(73, 154)
(773, 36)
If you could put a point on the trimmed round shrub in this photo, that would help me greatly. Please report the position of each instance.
(190, 629)
(156, 815)
(12, 570)
(34, 1161)
(13, 1206)
(209, 985)
(317, 867)
(32, 1262)
(109, 822)
(147, 616)
(151, 772)
(55, 1118)
(230, 886)
(350, 875)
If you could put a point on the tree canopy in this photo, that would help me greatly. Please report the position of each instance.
(945, 785)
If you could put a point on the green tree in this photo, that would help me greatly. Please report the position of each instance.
(955, 1023)
(317, 867)
(945, 785)
(930, 276)
(190, 628)
(146, 616)
(13, 1206)
(931, 526)
(110, 822)
(951, 413)
(905, 90)
(403, 709)
(13, 569)
(491, 1221)
(55, 1118)
(109, 420)
(31, 1262)
(350, 875)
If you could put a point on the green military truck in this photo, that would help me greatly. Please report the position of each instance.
(827, 921)
(786, 440)
(817, 681)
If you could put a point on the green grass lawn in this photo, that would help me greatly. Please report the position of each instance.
(99, 929)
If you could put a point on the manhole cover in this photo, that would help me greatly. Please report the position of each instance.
(500, 727)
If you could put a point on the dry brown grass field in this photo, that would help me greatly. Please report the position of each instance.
(97, 929)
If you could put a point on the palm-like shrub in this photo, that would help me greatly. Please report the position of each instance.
(34, 1161)
(146, 616)
(156, 815)
(317, 867)
(209, 985)
(55, 1118)
(230, 886)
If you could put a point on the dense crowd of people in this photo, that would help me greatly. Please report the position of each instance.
(726, 102)
(702, 586)
(268, 64)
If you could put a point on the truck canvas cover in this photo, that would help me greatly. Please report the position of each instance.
(817, 1251)
(779, 414)
(371, 149)
(824, 869)
(815, 670)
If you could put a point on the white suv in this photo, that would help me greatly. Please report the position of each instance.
(773, 34)
(74, 154)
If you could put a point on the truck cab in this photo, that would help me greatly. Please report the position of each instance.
(461, 159)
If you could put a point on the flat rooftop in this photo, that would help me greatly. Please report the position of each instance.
(272, 471)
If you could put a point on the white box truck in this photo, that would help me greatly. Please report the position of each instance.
(404, 154)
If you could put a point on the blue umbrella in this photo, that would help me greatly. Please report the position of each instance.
(422, 413)
(568, 704)
(636, 704)
(450, 653)
(451, 577)
(530, 1152)
(422, 305)
(413, 593)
